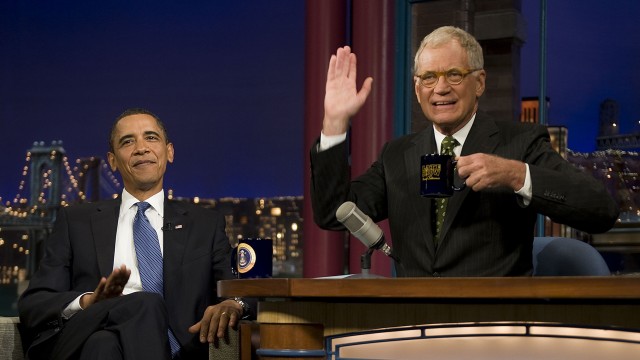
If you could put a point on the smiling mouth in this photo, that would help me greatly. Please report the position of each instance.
(143, 162)
(443, 103)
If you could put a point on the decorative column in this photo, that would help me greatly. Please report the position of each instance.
(325, 31)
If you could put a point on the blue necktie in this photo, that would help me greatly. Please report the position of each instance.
(149, 257)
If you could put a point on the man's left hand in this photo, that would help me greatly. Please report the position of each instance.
(216, 319)
(483, 171)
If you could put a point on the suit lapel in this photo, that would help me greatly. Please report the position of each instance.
(423, 143)
(482, 138)
(175, 230)
(104, 224)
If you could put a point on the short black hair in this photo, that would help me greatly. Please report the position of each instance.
(136, 111)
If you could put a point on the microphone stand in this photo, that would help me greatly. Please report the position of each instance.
(365, 266)
(365, 262)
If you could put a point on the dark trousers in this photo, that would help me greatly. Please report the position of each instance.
(128, 327)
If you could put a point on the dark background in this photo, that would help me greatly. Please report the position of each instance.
(227, 79)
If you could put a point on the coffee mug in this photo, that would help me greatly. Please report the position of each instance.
(437, 176)
(252, 258)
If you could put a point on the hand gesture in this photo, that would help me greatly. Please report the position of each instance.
(342, 99)
(107, 287)
(215, 320)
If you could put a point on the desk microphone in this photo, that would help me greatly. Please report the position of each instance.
(362, 227)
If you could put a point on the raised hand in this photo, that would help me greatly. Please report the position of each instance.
(107, 287)
(342, 99)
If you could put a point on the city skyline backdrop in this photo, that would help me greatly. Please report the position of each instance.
(227, 78)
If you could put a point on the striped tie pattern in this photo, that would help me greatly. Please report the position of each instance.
(446, 148)
(149, 257)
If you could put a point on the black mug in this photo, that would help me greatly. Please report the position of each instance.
(252, 258)
(437, 176)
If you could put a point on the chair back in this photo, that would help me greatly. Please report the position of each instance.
(560, 256)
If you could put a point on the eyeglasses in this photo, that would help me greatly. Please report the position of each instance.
(453, 76)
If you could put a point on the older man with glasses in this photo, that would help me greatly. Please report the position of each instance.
(511, 171)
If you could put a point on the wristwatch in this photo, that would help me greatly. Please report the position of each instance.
(245, 307)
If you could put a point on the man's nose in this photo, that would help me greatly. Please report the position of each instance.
(442, 86)
(141, 147)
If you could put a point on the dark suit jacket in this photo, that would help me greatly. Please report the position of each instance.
(485, 233)
(81, 248)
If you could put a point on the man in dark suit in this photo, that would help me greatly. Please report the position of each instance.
(511, 171)
(90, 298)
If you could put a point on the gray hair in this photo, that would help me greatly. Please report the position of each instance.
(446, 34)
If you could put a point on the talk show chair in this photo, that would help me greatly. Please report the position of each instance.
(560, 256)
(10, 341)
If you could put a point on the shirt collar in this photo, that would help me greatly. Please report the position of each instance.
(460, 135)
(156, 201)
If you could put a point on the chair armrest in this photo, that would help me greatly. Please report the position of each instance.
(227, 348)
(240, 344)
(10, 340)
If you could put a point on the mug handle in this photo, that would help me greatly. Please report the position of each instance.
(464, 183)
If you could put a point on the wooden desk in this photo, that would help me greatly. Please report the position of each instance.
(298, 313)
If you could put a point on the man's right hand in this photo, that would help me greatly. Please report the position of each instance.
(342, 99)
(107, 287)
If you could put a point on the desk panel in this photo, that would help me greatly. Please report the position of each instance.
(339, 306)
